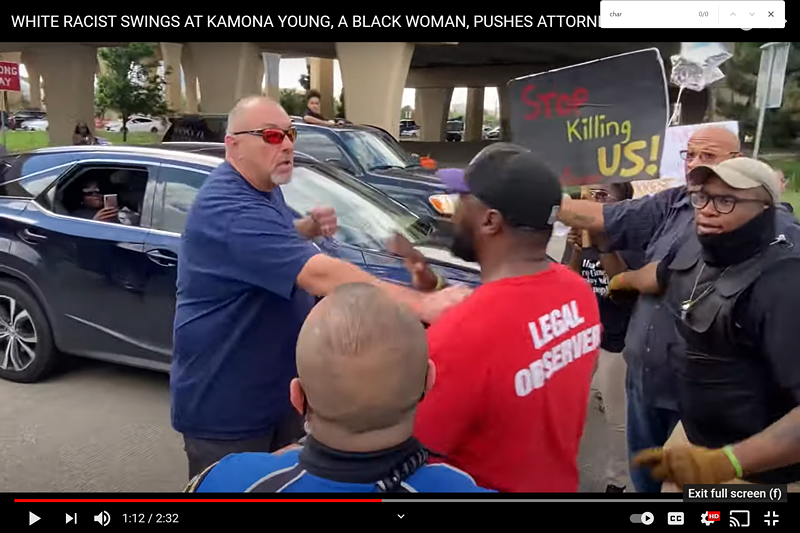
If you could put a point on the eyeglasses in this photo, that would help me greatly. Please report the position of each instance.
(271, 135)
(601, 195)
(724, 204)
(704, 157)
(91, 190)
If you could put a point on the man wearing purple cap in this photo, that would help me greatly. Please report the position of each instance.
(514, 360)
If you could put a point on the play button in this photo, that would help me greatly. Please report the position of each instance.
(32, 519)
(647, 518)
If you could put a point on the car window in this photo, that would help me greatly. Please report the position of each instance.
(366, 218)
(180, 190)
(197, 129)
(319, 146)
(28, 175)
(372, 151)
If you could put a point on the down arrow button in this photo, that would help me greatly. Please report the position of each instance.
(400, 515)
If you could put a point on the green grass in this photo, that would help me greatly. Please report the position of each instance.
(22, 141)
(793, 197)
(791, 169)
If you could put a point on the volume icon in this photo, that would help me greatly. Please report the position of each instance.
(103, 518)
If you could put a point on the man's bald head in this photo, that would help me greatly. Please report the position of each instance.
(249, 112)
(711, 145)
(362, 360)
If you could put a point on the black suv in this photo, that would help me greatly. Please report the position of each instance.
(370, 154)
(70, 284)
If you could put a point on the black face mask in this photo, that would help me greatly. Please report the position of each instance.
(463, 245)
(740, 244)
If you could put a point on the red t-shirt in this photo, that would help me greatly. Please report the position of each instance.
(514, 364)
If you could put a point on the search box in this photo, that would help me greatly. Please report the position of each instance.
(677, 14)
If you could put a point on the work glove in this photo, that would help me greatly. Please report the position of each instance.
(687, 465)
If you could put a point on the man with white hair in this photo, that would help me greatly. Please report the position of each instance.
(247, 277)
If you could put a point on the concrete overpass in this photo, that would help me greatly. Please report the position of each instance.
(374, 74)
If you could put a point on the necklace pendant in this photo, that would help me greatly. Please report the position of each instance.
(685, 306)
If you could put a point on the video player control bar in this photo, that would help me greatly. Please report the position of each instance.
(668, 14)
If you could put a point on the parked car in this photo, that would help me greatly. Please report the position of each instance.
(20, 117)
(107, 291)
(6, 121)
(138, 124)
(371, 154)
(454, 131)
(34, 124)
(409, 128)
(492, 134)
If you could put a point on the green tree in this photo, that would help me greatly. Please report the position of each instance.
(305, 79)
(338, 106)
(131, 84)
(293, 101)
(781, 126)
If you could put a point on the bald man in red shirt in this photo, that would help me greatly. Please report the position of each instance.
(514, 361)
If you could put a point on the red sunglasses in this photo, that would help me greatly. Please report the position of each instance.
(271, 135)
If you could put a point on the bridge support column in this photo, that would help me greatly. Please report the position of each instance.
(227, 73)
(321, 79)
(272, 72)
(68, 69)
(432, 106)
(171, 56)
(473, 126)
(190, 80)
(504, 100)
(374, 76)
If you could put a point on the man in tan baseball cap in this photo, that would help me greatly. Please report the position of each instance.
(730, 291)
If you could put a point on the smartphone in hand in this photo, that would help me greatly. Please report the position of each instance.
(110, 201)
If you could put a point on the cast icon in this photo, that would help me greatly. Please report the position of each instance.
(739, 519)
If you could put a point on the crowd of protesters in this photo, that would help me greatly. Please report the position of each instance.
(294, 371)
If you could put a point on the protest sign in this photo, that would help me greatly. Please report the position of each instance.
(9, 76)
(596, 122)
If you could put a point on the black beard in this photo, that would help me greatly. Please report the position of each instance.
(463, 246)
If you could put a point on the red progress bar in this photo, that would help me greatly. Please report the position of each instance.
(182, 500)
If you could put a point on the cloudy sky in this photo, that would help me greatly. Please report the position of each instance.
(292, 69)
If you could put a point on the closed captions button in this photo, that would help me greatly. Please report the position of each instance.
(644, 518)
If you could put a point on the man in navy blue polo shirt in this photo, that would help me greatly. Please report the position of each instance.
(247, 278)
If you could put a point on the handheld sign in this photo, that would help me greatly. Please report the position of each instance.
(597, 122)
(9, 76)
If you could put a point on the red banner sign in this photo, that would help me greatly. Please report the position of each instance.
(9, 76)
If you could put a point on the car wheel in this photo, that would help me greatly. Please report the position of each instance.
(27, 351)
(153, 130)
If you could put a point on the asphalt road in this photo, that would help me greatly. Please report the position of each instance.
(104, 428)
